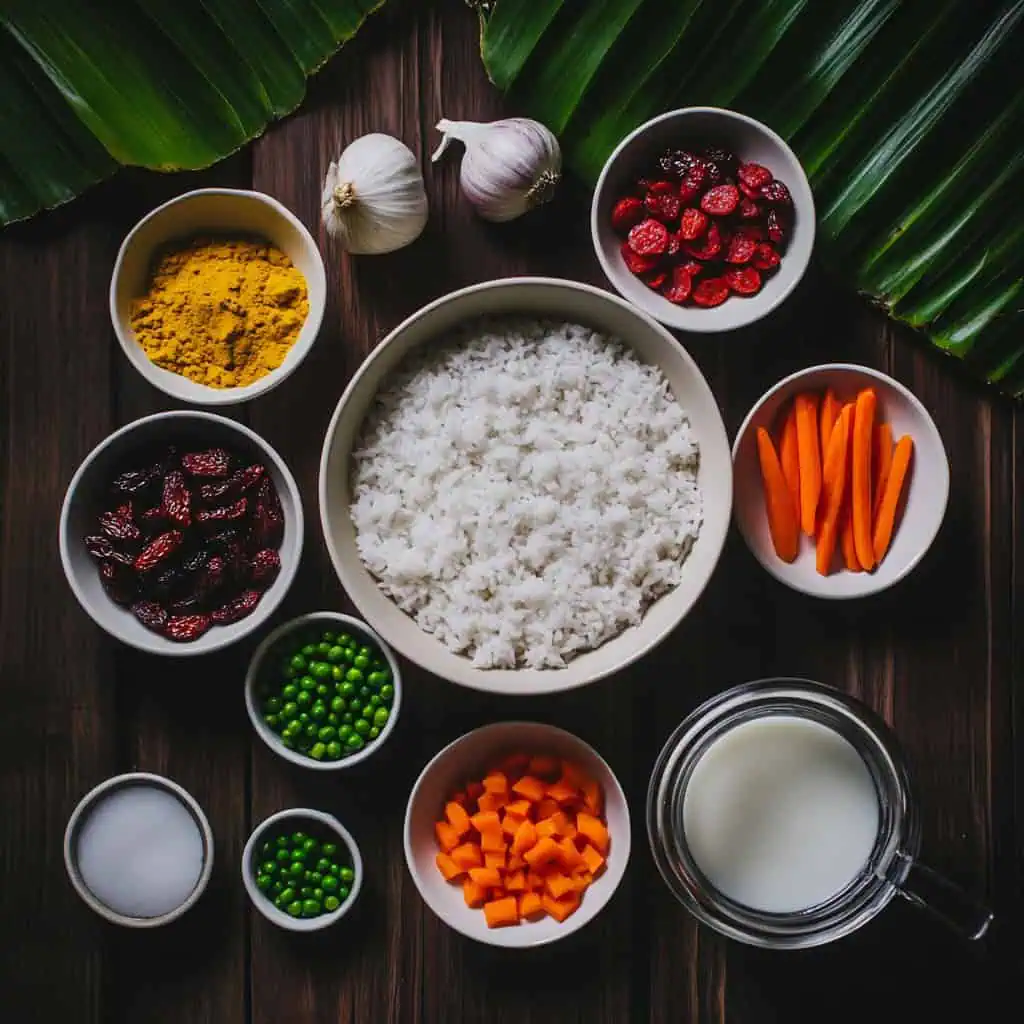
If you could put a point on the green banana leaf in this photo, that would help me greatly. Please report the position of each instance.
(163, 84)
(908, 119)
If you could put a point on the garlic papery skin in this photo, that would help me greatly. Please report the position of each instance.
(374, 200)
(509, 166)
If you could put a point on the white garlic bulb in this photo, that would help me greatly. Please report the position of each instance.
(509, 166)
(373, 199)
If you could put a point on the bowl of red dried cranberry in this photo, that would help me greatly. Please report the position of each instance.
(704, 218)
(181, 532)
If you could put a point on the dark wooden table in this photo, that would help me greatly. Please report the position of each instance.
(937, 656)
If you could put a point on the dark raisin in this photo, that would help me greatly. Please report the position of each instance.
(99, 546)
(118, 525)
(196, 561)
(118, 581)
(215, 462)
(237, 608)
(177, 500)
(235, 486)
(223, 513)
(265, 566)
(158, 550)
(150, 614)
(187, 627)
(134, 480)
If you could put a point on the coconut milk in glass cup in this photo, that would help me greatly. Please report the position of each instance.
(781, 814)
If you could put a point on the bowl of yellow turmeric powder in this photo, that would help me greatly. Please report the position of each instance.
(218, 295)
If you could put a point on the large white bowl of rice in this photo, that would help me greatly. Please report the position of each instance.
(526, 486)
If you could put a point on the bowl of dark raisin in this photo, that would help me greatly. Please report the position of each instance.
(181, 532)
(704, 219)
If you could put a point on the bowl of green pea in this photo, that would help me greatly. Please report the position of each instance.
(302, 869)
(323, 691)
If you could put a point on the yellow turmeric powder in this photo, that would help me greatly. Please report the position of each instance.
(222, 312)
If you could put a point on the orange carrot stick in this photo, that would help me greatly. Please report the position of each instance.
(778, 503)
(882, 461)
(789, 456)
(809, 450)
(833, 481)
(863, 430)
(891, 499)
(830, 410)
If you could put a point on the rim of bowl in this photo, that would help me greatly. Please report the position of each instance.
(79, 814)
(313, 322)
(542, 729)
(271, 739)
(717, 541)
(264, 905)
(930, 426)
(777, 140)
(266, 607)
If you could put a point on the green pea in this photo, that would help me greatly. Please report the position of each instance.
(306, 891)
(290, 710)
(294, 909)
(330, 883)
(310, 908)
(355, 742)
(283, 856)
(298, 838)
(362, 726)
(288, 742)
(272, 706)
(333, 750)
(268, 867)
(264, 882)
(335, 654)
(320, 670)
(329, 849)
(343, 893)
(347, 875)
(272, 720)
(303, 718)
(309, 650)
(375, 701)
(365, 692)
(367, 651)
(282, 842)
(353, 675)
(348, 718)
(307, 683)
(298, 855)
(366, 711)
(387, 692)
(329, 635)
(373, 733)
(344, 639)
(338, 705)
(298, 662)
(318, 751)
(293, 728)
(288, 896)
(349, 655)
(337, 673)
(331, 903)
(380, 717)
(288, 672)
(304, 699)
(333, 719)
(323, 690)
(318, 895)
(375, 678)
(290, 692)
(347, 689)
(277, 888)
(323, 865)
(312, 846)
(327, 733)
(323, 647)
(344, 731)
(361, 661)
(311, 730)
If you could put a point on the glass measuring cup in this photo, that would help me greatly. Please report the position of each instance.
(892, 867)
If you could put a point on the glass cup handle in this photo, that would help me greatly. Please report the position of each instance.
(948, 902)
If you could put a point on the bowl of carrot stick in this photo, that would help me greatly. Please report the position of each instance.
(841, 481)
(517, 834)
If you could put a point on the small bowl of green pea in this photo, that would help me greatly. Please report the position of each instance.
(302, 869)
(323, 691)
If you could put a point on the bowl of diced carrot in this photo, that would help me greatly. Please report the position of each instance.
(517, 834)
(841, 481)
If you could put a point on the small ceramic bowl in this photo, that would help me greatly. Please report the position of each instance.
(81, 813)
(750, 141)
(463, 759)
(321, 620)
(84, 499)
(218, 211)
(291, 820)
(925, 493)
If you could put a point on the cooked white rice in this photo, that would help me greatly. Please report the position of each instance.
(526, 492)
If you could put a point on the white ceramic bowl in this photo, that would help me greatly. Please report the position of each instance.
(81, 812)
(82, 502)
(464, 759)
(227, 210)
(926, 490)
(750, 141)
(322, 620)
(567, 300)
(294, 819)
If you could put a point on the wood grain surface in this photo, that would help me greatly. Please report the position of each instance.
(937, 656)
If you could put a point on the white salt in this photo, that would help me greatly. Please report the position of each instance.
(140, 851)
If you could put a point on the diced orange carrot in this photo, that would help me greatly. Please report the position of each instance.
(531, 787)
(448, 867)
(515, 862)
(562, 792)
(569, 832)
(593, 830)
(493, 841)
(467, 856)
(446, 835)
(495, 782)
(457, 817)
(473, 790)
(593, 797)
(516, 882)
(573, 774)
(592, 859)
(544, 851)
(561, 822)
(489, 878)
(492, 801)
(501, 912)
(546, 828)
(546, 807)
(525, 838)
(581, 880)
(484, 820)
(474, 895)
(510, 824)
(530, 905)
(558, 884)
(568, 856)
(561, 909)
(520, 807)
(494, 860)
(534, 881)
(542, 765)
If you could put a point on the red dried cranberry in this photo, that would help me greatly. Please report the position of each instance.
(692, 267)
(709, 247)
(754, 176)
(741, 248)
(712, 291)
(682, 284)
(627, 213)
(765, 257)
(693, 224)
(720, 201)
(648, 238)
(675, 243)
(776, 231)
(663, 207)
(776, 193)
(635, 263)
(693, 183)
(744, 280)
(655, 279)
(748, 209)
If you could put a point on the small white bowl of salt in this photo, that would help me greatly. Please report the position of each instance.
(139, 850)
